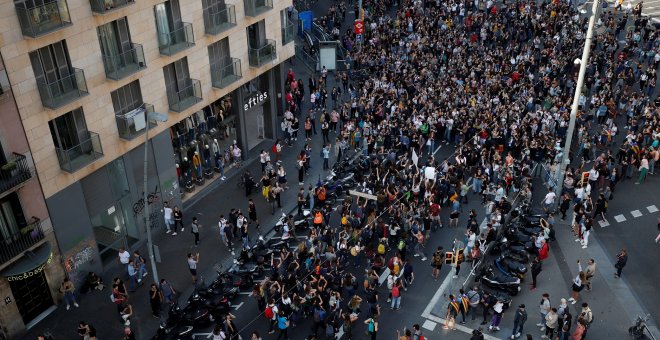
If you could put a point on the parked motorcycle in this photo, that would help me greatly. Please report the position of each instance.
(191, 315)
(510, 267)
(494, 279)
(176, 332)
(217, 304)
(300, 223)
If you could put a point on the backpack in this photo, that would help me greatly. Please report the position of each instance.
(402, 244)
(381, 249)
(268, 313)
(371, 326)
(274, 148)
(395, 291)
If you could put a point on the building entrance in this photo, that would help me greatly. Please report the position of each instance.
(32, 296)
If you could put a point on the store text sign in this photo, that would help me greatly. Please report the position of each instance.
(32, 272)
(256, 100)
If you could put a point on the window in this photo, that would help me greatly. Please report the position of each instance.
(127, 98)
(121, 56)
(174, 35)
(51, 65)
(256, 34)
(177, 76)
(219, 53)
(69, 130)
(12, 218)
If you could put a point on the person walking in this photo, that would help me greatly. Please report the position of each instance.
(168, 292)
(551, 321)
(68, 289)
(519, 320)
(194, 229)
(282, 326)
(396, 294)
(587, 316)
(192, 266)
(155, 300)
(643, 169)
(544, 309)
(132, 276)
(438, 257)
(537, 267)
(168, 214)
(252, 215)
(178, 218)
(564, 331)
(498, 309)
(621, 260)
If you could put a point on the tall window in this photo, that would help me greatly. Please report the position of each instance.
(127, 98)
(168, 19)
(12, 218)
(256, 34)
(177, 76)
(69, 130)
(219, 54)
(51, 65)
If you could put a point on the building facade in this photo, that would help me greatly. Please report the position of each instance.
(30, 274)
(85, 74)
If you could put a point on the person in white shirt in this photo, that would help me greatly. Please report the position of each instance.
(549, 200)
(124, 257)
(169, 221)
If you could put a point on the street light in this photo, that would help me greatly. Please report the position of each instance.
(151, 117)
(559, 174)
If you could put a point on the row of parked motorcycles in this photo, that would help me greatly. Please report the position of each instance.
(504, 267)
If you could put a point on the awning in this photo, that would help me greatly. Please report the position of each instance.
(31, 263)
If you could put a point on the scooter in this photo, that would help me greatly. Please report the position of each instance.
(189, 316)
(510, 267)
(300, 223)
(217, 304)
(173, 333)
(495, 279)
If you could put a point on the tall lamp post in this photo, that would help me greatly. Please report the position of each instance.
(154, 117)
(559, 174)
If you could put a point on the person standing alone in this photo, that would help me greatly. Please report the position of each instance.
(194, 228)
(621, 260)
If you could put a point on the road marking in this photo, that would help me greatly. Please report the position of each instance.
(652, 209)
(236, 307)
(603, 223)
(245, 293)
(437, 149)
(208, 335)
(620, 218)
(430, 325)
(636, 213)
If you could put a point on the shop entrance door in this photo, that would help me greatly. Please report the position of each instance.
(32, 296)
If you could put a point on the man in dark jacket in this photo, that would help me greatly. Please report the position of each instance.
(519, 321)
(536, 270)
(487, 302)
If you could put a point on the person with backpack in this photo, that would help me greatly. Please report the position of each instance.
(588, 317)
(396, 294)
(452, 312)
(270, 313)
(464, 304)
(436, 262)
(372, 327)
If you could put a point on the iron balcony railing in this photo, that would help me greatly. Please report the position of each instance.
(105, 6)
(41, 19)
(223, 74)
(189, 95)
(288, 33)
(133, 123)
(124, 64)
(76, 157)
(62, 91)
(14, 173)
(256, 7)
(219, 20)
(18, 242)
(260, 56)
(170, 43)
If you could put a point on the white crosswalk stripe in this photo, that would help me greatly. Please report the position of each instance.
(430, 325)
(603, 223)
(636, 213)
(652, 209)
(620, 218)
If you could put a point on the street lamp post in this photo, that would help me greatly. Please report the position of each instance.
(559, 174)
(151, 117)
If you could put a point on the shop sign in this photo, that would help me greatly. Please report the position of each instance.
(256, 100)
(32, 272)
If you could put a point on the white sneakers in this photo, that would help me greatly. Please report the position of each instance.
(174, 233)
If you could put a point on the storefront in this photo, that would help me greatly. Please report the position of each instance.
(243, 119)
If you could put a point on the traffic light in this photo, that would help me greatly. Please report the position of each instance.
(449, 257)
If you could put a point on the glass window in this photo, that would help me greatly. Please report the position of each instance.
(127, 98)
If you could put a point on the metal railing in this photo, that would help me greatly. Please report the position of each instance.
(310, 61)
(223, 74)
(76, 157)
(216, 21)
(288, 33)
(126, 63)
(63, 91)
(105, 6)
(15, 172)
(170, 43)
(39, 20)
(263, 54)
(181, 99)
(20, 241)
(256, 7)
(126, 123)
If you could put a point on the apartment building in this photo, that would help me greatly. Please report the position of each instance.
(31, 274)
(85, 76)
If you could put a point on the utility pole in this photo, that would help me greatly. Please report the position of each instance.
(559, 175)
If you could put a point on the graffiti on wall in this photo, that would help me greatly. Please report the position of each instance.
(79, 260)
(153, 197)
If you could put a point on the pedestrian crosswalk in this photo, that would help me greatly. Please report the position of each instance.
(650, 8)
(634, 213)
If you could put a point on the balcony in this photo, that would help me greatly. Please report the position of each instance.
(124, 64)
(14, 173)
(16, 243)
(106, 6)
(186, 97)
(288, 33)
(256, 7)
(133, 123)
(216, 21)
(62, 91)
(171, 43)
(223, 74)
(78, 156)
(260, 56)
(38, 20)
